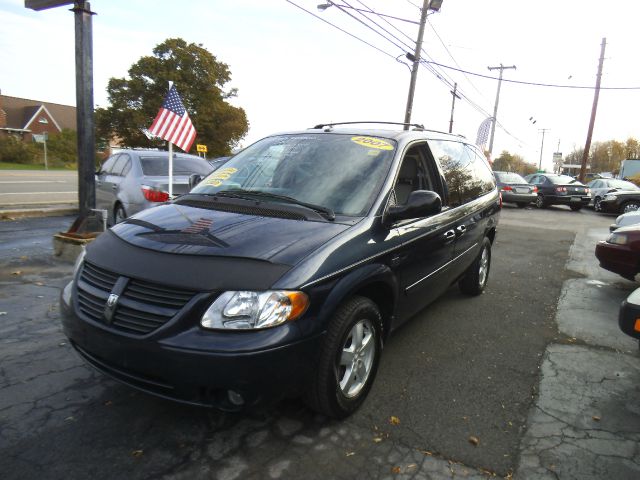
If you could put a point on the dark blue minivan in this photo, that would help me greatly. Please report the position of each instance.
(285, 270)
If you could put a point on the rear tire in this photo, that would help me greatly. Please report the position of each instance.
(475, 278)
(630, 206)
(348, 360)
(119, 215)
(540, 203)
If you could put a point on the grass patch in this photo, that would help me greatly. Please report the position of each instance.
(24, 166)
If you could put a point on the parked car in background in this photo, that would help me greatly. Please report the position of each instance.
(620, 202)
(620, 252)
(515, 189)
(133, 180)
(629, 315)
(556, 189)
(284, 271)
(601, 186)
(624, 220)
(218, 162)
(629, 168)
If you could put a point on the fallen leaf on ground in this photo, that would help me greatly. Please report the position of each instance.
(17, 272)
(474, 441)
(137, 453)
(39, 284)
(24, 257)
(108, 403)
(596, 418)
(394, 420)
(3, 313)
(396, 470)
(377, 439)
(350, 454)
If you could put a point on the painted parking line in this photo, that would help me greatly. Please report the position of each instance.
(33, 181)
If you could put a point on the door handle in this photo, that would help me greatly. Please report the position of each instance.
(461, 229)
(450, 235)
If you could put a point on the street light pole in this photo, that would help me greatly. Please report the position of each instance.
(416, 64)
(543, 130)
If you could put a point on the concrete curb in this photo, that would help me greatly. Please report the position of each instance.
(38, 212)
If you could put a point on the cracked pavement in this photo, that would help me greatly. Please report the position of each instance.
(462, 369)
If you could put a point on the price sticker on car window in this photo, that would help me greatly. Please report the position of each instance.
(220, 176)
(372, 142)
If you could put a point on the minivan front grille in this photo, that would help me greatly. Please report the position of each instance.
(140, 307)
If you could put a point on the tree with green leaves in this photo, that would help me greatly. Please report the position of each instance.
(200, 79)
(509, 162)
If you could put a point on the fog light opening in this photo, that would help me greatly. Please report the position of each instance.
(235, 398)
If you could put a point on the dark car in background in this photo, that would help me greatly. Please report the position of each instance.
(620, 202)
(556, 189)
(601, 186)
(133, 180)
(620, 252)
(515, 189)
(285, 270)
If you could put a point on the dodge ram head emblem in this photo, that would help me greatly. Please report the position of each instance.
(110, 308)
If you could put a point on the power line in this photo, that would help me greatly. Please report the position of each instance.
(535, 84)
(341, 29)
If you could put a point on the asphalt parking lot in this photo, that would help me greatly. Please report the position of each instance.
(530, 380)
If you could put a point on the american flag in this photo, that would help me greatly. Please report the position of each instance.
(173, 123)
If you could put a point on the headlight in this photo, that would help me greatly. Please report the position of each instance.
(610, 196)
(618, 239)
(66, 292)
(248, 310)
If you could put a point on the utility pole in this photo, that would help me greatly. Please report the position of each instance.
(592, 121)
(543, 130)
(453, 104)
(416, 64)
(495, 107)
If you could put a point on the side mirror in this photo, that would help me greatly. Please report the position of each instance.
(421, 203)
(194, 179)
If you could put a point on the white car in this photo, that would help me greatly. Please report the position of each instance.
(601, 186)
(625, 220)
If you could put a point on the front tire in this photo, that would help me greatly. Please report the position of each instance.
(596, 204)
(348, 360)
(475, 278)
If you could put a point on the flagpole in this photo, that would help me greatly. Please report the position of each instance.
(170, 170)
(170, 161)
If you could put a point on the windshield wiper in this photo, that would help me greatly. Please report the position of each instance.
(247, 194)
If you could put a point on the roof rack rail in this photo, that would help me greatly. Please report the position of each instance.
(416, 126)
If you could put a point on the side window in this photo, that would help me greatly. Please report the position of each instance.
(123, 165)
(484, 181)
(108, 165)
(414, 174)
(119, 165)
(457, 168)
(597, 184)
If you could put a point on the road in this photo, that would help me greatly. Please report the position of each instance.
(19, 188)
(531, 378)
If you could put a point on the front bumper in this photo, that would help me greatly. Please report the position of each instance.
(610, 206)
(196, 366)
(629, 315)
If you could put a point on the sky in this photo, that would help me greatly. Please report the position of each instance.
(293, 70)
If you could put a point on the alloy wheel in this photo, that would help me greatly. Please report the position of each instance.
(356, 359)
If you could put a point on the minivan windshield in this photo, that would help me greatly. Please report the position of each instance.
(339, 172)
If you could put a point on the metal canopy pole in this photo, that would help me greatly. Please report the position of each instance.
(84, 105)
